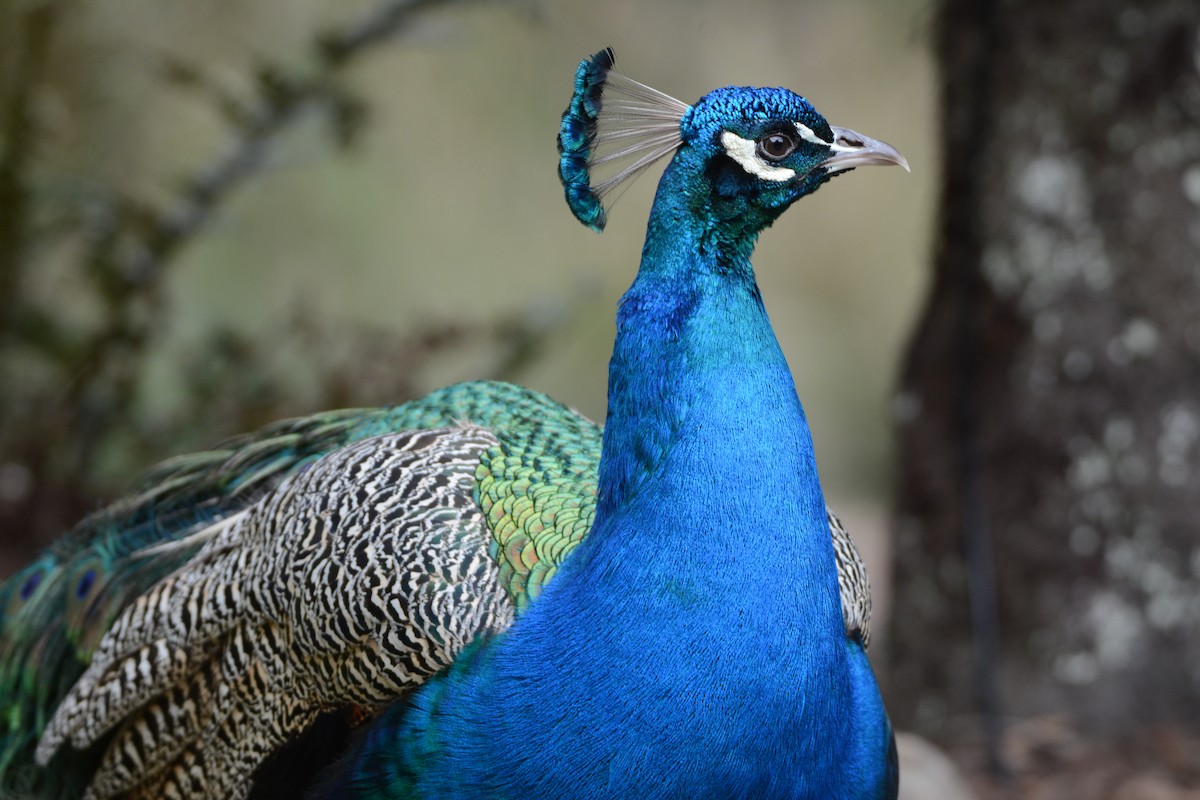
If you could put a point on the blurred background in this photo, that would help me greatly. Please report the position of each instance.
(214, 215)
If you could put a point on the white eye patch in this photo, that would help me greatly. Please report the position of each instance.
(808, 135)
(744, 152)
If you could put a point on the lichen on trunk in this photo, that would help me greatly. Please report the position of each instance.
(1051, 393)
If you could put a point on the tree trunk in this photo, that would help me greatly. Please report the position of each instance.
(1050, 403)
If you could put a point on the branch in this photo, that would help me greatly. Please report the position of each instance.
(140, 256)
(384, 21)
(132, 246)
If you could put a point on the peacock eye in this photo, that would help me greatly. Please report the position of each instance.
(31, 584)
(85, 584)
(776, 146)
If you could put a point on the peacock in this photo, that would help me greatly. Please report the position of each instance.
(482, 594)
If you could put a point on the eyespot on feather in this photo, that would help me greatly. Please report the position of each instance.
(31, 583)
(28, 586)
(83, 586)
(86, 599)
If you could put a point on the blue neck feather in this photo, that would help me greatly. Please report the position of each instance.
(694, 641)
(693, 316)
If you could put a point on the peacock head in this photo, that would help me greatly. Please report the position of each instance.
(755, 151)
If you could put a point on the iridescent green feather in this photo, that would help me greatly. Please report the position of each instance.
(539, 497)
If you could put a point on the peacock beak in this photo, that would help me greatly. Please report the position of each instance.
(851, 149)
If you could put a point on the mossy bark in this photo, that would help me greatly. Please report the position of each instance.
(1049, 408)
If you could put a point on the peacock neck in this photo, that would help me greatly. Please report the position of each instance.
(694, 341)
(708, 477)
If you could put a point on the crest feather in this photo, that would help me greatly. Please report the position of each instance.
(615, 126)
